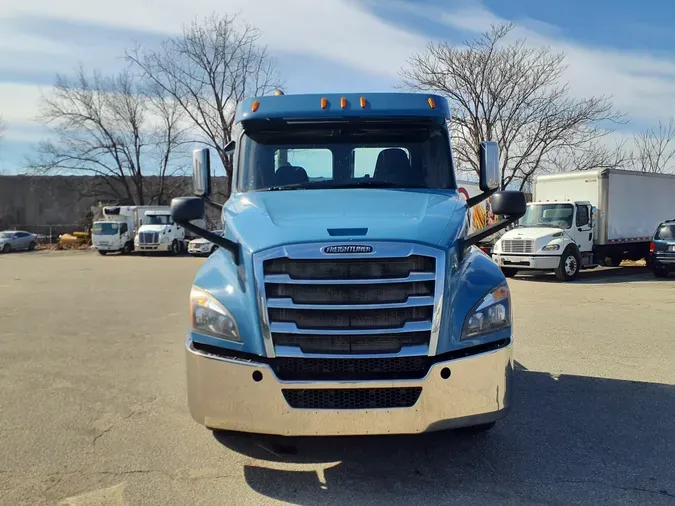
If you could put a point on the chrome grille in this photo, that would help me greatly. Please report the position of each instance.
(518, 246)
(364, 303)
(352, 398)
(148, 237)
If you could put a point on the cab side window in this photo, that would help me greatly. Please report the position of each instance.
(582, 216)
(124, 228)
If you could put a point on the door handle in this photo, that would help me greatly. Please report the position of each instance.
(590, 236)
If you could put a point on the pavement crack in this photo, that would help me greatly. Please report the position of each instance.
(620, 487)
(133, 412)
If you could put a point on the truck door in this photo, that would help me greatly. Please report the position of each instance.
(583, 232)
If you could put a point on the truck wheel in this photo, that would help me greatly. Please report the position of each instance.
(175, 247)
(509, 272)
(103, 253)
(127, 249)
(475, 429)
(660, 273)
(570, 265)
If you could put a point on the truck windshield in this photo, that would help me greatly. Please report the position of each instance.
(548, 215)
(348, 155)
(105, 228)
(665, 233)
(158, 219)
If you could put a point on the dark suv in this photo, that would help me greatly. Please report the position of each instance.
(661, 257)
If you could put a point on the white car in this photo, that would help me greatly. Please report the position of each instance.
(201, 246)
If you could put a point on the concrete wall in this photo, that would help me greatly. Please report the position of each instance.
(64, 203)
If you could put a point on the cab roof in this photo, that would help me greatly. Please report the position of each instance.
(332, 106)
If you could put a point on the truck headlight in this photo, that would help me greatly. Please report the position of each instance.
(209, 317)
(551, 247)
(492, 313)
(496, 248)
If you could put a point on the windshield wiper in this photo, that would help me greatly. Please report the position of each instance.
(296, 186)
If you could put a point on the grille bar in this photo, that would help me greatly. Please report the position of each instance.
(413, 277)
(352, 398)
(411, 302)
(292, 328)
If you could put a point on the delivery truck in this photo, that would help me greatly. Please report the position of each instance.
(584, 219)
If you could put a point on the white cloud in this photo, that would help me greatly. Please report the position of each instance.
(337, 30)
(640, 84)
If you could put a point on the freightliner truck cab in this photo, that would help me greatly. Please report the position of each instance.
(347, 295)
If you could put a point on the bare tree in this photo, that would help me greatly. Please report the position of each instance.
(208, 70)
(510, 93)
(115, 129)
(655, 149)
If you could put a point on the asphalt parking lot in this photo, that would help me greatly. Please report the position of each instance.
(92, 402)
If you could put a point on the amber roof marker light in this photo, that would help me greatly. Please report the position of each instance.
(343, 102)
(255, 105)
(363, 102)
(432, 104)
(324, 103)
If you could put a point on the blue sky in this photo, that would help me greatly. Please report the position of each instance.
(625, 49)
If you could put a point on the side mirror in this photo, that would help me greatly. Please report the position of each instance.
(201, 172)
(184, 210)
(512, 205)
(490, 174)
(509, 203)
(229, 147)
(187, 209)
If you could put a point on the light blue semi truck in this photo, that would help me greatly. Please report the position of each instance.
(347, 295)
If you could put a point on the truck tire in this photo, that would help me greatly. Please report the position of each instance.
(570, 265)
(509, 272)
(103, 253)
(128, 248)
(660, 273)
(175, 248)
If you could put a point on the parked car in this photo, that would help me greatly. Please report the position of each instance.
(201, 246)
(17, 240)
(661, 258)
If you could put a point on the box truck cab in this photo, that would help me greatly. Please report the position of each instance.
(115, 232)
(580, 220)
(347, 295)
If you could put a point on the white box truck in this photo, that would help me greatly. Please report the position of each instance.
(580, 220)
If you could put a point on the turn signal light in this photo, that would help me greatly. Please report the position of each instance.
(324, 103)
(255, 105)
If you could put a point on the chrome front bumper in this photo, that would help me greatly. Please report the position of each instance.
(152, 247)
(222, 394)
(524, 261)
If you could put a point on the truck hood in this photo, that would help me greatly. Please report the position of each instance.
(261, 220)
(531, 232)
(153, 228)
